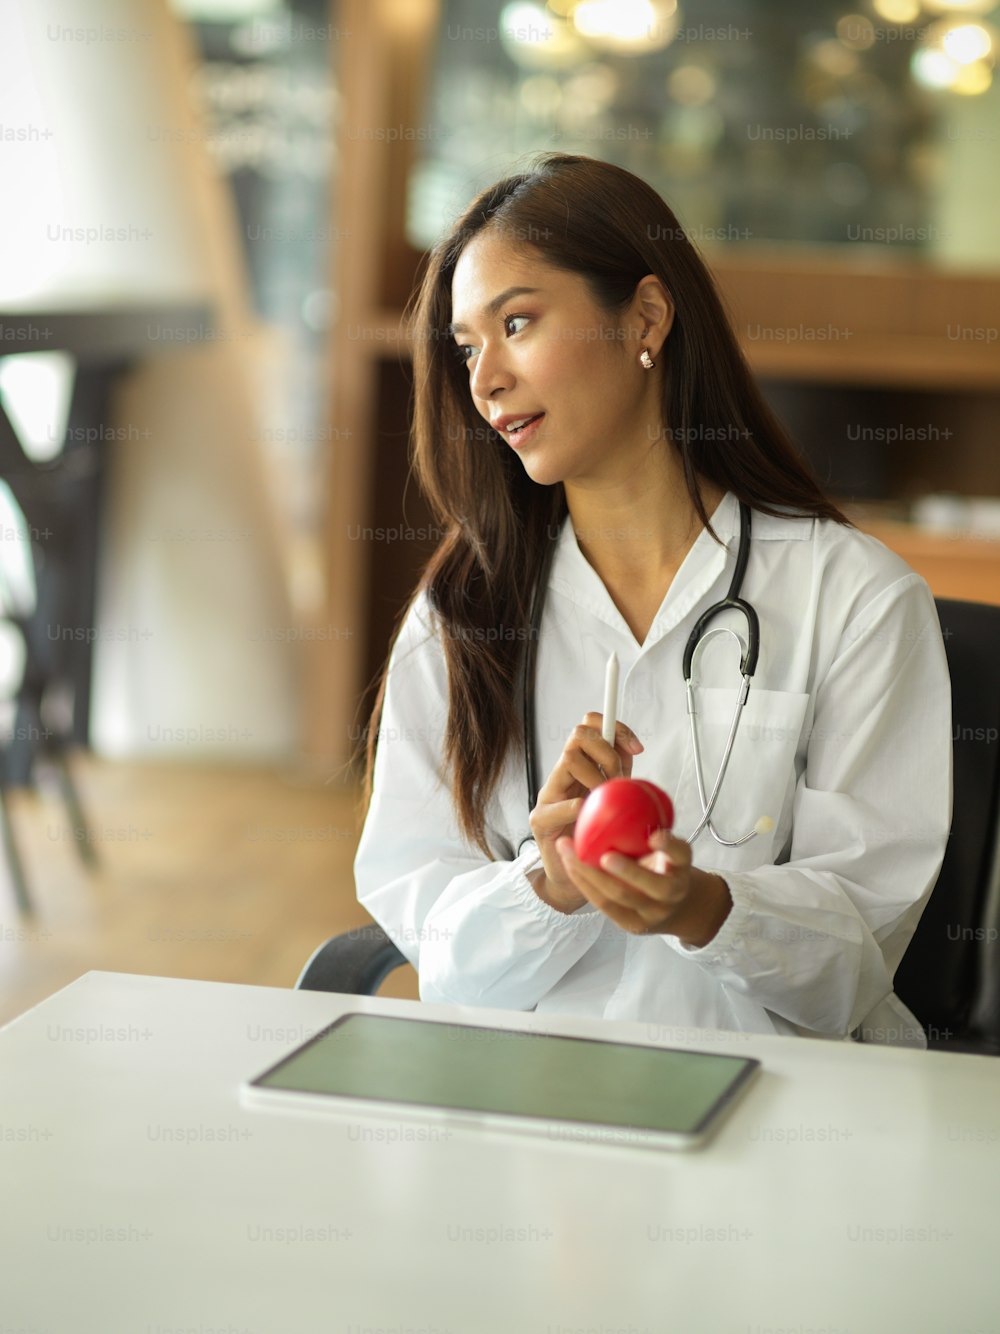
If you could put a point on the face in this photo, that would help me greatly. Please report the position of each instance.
(558, 377)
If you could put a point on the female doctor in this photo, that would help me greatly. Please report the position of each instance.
(591, 439)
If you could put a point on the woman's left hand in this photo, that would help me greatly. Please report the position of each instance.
(660, 893)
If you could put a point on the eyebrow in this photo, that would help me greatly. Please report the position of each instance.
(493, 307)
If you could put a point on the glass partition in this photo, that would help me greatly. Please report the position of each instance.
(872, 126)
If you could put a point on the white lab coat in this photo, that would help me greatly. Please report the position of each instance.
(845, 742)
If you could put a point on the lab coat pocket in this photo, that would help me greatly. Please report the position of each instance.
(767, 756)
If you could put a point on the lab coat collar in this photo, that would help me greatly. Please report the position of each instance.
(703, 566)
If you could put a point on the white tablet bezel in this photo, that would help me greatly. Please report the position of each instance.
(554, 1130)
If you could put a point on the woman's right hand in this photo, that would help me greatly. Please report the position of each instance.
(586, 762)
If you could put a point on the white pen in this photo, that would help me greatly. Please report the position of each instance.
(610, 700)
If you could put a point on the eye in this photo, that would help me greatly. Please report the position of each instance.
(512, 324)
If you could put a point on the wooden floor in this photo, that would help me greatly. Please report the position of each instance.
(229, 874)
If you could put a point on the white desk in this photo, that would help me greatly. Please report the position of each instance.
(854, 1190)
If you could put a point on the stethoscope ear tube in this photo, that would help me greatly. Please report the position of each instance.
(748, 665)
(748, 662)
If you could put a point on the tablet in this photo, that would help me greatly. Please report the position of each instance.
(560, 1087)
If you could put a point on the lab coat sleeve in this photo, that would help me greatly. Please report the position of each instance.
(474, 929)
(818, 938)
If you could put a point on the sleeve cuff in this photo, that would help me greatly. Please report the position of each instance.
(722, 948)
(531, 860)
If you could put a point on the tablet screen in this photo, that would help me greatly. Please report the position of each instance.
(500, 1071)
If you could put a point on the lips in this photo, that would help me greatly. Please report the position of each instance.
(522, 429)
(512, 423)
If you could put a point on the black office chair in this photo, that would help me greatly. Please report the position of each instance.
(356, 962)
(950, 974)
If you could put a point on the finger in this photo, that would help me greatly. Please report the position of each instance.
(622, 768)
(572, 866)
(574, 773)
(678, 852)
(657, 861)
(585, 769)
(611, 760)
(609, 886)
(640, 888)
(625, 918)
(555, 815)
(587, 882)
(625, 744)
(624, 736)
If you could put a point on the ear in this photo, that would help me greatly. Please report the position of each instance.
(654, 308)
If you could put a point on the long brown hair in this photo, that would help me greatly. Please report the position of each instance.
(601, 222)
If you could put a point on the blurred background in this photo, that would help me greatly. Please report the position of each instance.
(214, 212)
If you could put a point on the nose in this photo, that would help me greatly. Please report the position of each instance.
(490, 372)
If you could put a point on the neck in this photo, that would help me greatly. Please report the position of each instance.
(637, 531)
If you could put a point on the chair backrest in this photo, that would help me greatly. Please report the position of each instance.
(948, 976)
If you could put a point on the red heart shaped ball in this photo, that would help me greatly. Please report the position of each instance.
(619, 816)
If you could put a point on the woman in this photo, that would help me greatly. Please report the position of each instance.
(581, 398)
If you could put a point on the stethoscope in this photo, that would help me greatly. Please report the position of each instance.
(698, 638)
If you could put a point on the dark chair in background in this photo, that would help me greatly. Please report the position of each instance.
(356, 962)
(950, 975)
(58, 500)
(61, 500)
